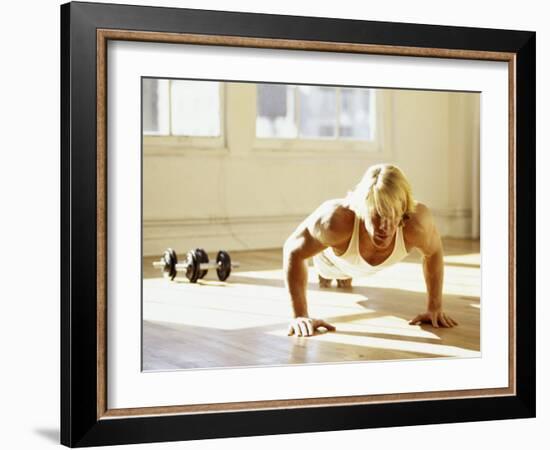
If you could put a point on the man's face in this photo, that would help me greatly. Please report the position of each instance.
(381, 229)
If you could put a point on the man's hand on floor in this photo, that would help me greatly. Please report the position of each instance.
(306, 326)
(436, 318)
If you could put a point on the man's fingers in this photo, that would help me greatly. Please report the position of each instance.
(290, 330)
(416, 320)
(450, 321)
(309, 327)
(327, 325)
(303, 329)
(437, 320)
(443, 320)
(453, 322)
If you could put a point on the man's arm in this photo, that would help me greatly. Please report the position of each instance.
(310, 238)
(297, 249)
(428, 241)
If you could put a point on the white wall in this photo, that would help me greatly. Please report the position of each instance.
(29, 191)
(245, 197)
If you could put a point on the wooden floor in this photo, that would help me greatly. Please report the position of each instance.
(243, 322)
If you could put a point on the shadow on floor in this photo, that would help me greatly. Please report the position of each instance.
(49, 434)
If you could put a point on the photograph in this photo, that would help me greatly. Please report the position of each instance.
(293, 224)
(278, 224)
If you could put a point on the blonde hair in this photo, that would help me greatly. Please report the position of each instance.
(384, 189)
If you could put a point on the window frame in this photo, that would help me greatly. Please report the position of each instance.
(381, 146)
(170, 144)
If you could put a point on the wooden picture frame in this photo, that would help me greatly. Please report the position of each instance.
(86, 28)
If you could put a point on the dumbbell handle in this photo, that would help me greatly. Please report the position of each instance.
(202, 266)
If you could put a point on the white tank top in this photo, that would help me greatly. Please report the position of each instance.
(353, 264)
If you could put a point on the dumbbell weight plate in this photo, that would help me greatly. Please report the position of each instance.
(202, 257)
(170, 260)
(224, 265)
(193, 271)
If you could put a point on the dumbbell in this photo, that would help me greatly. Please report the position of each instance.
(196, 264)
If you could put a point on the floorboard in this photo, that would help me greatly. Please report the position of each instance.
(243, 322)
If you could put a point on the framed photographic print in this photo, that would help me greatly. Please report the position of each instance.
(278, 224)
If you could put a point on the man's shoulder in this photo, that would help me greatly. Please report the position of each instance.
(418, 223)
(336, 215)
(334, 220)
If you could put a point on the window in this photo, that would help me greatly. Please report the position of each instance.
(181, 108)
(316, 113)
(185, 116)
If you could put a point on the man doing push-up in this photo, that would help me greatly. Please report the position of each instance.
(373, 227)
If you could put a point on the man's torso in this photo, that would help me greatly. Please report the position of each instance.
(342, 219)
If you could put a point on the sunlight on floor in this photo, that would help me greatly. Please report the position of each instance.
(244, 321)
(357, 334)
(473, 259)
(463, 281)
(390, 325)
(235, 306)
